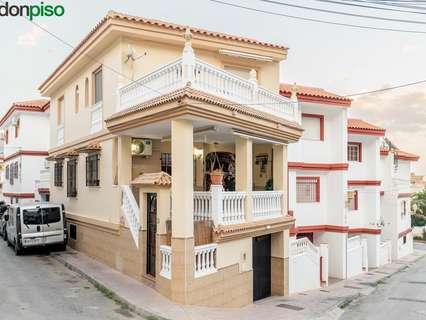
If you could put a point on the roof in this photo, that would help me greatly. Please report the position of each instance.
(402, 155)
(358, 126)
(111, 15)
(39, 105)
(311, 94)
(153, 179)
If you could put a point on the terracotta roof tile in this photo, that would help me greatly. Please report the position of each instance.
(154, 179)
(361, 126)
(311, 94)
(39, 105)
(402, 155)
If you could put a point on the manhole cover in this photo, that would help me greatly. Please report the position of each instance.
(289, 306)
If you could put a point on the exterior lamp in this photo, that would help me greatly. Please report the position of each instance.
(198, 153)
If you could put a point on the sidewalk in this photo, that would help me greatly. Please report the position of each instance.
(324, 303)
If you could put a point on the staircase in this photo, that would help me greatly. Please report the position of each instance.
(131, 211)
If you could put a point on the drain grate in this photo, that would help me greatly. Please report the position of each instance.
(352, 287)
(289, 306)
(417, 282)
(407, 299)
(322, 290)
(381, 272)
(369, 284)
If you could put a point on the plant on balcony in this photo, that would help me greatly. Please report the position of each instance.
(216, 177)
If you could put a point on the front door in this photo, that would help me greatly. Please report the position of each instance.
(261, 267)
(151, 233)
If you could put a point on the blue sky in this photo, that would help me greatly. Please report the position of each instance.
(339, 59)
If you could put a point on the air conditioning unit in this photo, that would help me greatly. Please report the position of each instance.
(141, 147)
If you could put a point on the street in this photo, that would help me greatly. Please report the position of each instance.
(403, 296)
(37, 287)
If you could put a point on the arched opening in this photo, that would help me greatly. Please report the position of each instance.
(86, 92)
(77, 99)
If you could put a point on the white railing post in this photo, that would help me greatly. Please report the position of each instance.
(216, 204)
(188, 60)
(253, 80)
(166, 261)
(131, 211)
(205, 259)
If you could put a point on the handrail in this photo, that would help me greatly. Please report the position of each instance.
(131, 211)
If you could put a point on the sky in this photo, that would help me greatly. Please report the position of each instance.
(339, 59)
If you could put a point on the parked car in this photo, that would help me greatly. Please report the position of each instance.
(36, 224)
(3, 210)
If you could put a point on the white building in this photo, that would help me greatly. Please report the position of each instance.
(25, 128)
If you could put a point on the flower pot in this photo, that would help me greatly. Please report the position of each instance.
(216, 178)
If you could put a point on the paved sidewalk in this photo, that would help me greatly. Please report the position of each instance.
(324, 303)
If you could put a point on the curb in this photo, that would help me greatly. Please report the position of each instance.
(109, 293)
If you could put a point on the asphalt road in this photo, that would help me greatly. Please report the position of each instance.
(37, 287)
(403, 296)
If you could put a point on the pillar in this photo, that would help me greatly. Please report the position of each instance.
(280, 174)
(182, 211)
(279, 263)
(244, 170)
(124, 160)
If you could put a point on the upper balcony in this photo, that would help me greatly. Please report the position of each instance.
(209, 79)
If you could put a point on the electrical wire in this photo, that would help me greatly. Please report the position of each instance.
(386, 89)
(344, 13)
(316, 20)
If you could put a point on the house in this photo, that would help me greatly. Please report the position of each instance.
(25, 128)
(418, 183)
(147, 118)
(397, 166)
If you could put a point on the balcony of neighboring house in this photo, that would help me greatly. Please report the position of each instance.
(42, 185)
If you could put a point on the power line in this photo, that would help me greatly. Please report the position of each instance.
(389, 4)
(386, 89)
(343, 13)
(316, 20)
(369, 7)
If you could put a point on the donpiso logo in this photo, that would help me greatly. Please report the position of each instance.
(30, 11)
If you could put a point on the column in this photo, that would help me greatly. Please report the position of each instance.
(279, 263)
(244, 171)
(280, 174)
(124, 160)
(182, 211)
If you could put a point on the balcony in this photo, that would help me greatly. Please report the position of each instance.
(60, 135)
(212, 80)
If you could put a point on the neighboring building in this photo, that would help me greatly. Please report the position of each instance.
(25, 128)
(417, 182)
(1, 174)
(397, 167)
(186, 114)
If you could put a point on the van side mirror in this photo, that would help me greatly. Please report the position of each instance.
(6, 217)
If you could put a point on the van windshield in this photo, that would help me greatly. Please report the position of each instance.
(41, 216)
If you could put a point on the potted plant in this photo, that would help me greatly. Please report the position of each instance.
(216, 177)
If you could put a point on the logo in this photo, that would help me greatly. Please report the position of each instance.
(31, 11)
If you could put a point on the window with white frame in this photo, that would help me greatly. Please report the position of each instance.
(313, 126)
(97, 86)
(354, 151)
(307, 189)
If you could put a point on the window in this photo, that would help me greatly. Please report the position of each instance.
(17, 128)
(11, 173)
(354, 151)
(72, 178)
(313, 126)
(7, 172)
(42, 216)
(403, 207)
(308, 189)
(58, 174)
(77, 99)
(92, 170)
(404, 239)
(86, 92)
(59, 111)
(97, 86)
(353, 200)
(15, 170)
(166, 163)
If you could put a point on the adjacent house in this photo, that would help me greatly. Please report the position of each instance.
(169, 150)
(25, 128)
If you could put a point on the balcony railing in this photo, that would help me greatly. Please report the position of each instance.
(210, 79)
(205, 259)
(226, 208)
(60, 135)
(96, 117)
(166, 261)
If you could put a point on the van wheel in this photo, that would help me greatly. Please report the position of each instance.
(63, 247)
(17, 250)
(8, 241)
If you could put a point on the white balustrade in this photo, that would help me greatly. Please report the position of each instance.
(385, 255)
(210, 79)
(131, 211)
(60, 135)
(266, 204)
(202, 206)
(205, 259)
(166, 261)
(96, 117)
(303, 245)
(354, 243)
(233, 207)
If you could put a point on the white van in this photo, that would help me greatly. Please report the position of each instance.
(36, 224)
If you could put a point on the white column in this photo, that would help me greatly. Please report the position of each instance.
(244, 171)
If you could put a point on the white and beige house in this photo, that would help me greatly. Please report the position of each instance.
(144, 114)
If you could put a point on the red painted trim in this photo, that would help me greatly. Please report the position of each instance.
(407, 158)
(44, 190)
(318, 166)
(364, 182)
(359, 144)
(365, 230)
(321, 279)
(384, 152)
(318, 99)
(318, 188)
(405, 232)
(19, 195)
(27, 153)
(367, 132)
(405, 195)
(356, 200)
(382, 193)
(321, 119)
(14, 108)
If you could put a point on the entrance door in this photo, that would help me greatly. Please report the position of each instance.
(261, 267)
(151, 233)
